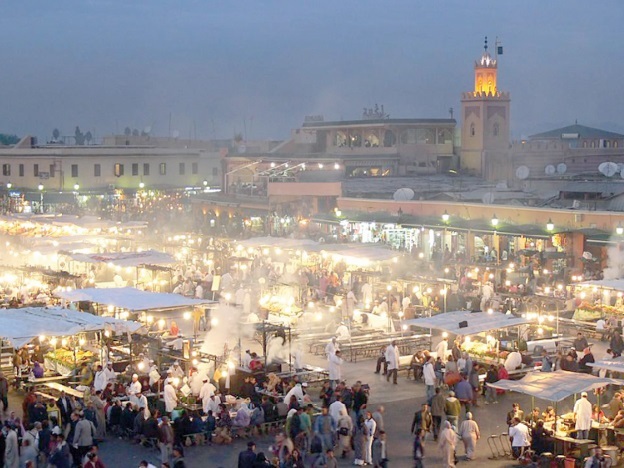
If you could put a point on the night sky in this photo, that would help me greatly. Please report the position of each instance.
(258, 67)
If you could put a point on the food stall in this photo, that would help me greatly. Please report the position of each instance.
(68, 333)
(555, 387)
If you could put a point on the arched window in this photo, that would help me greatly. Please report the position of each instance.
(607, 144)
(615, 144)
(593, 144)
(472, 129)
(584, 144)
(495, 129)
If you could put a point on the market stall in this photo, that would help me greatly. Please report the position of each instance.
(599, 298)
(469, 323)
(63, 330)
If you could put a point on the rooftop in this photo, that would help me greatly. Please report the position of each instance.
(581, 130)
(368, 122)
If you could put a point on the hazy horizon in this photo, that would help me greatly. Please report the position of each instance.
(259, 67)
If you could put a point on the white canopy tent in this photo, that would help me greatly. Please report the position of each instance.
(126, 259)
(281, 242)
(130, 298)
(555, 386)
(615, 284)
(21, 326)
(613, 365)
(476, 322)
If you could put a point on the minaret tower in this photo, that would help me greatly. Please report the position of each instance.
(485, 118)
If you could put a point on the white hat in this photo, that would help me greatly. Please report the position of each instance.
(584, 394)
(304, 384)
(176, 363)
(135, 375)
(56, 430)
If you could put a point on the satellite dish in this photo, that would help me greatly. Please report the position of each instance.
(403, 194)
(175, 134)
(610, 169)
(601, 167)
(550, 169)
(148, 129)
(488, 198)
(562, 168)
(522, 172)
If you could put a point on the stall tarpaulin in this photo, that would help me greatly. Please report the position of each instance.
(130, 298)
(126, 259)
(555, 386)
(613, 365)
(21, 326)
(475, 322)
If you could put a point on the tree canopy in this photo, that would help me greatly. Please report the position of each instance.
(6, 139)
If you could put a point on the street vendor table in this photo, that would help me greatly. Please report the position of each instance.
(57, 387)
(27, 384)
(565, 443)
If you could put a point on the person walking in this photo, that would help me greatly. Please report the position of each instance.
(345, 430)
(325, 428)
(430, 379)
(335, 368)
(370, 426)
(418, 449)
(422, 420)
(446, 443)
(438, 405)
(491, 377)
(469, 433)
(84, 434)
(165, 440)
(247, 458)
(452, 409)
(392, 359)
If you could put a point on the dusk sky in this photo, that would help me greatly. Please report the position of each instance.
(222, 67)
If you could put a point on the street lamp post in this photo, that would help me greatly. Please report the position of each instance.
(40, 187)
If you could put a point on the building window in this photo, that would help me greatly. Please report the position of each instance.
(163, 169)
(118, 170)
(52, 170)
(584, 144)
(194, 168)
(6, 169)
(607, 144)
(215, 172)
(74, 170)
(146, 169)
(182, 169)
(593, 144)
(97, 170)
(21, 170)
(615, 144)
(36, 170)
(496, 129)
(472, 130)
(135, 169)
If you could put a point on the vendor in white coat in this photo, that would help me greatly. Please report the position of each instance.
(133, 389)
(101, 380)
(111, 375)
(142, 403)
(205, 393)
(335, 368)
(582, 415)
(297, 391)
(442, 349)
(392, 359)
(171, 399)
(176, 370)
(331, 348)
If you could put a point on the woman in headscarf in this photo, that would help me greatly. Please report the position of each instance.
(243, 415)
(446, 443)
(469, 432)
(345, 430)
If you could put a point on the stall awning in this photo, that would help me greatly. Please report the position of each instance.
(554, 386)
(126, 259)
(613, 365)
(21, 326)
(615, 284)
(130, 298)
(281, 242)
(477, 322)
